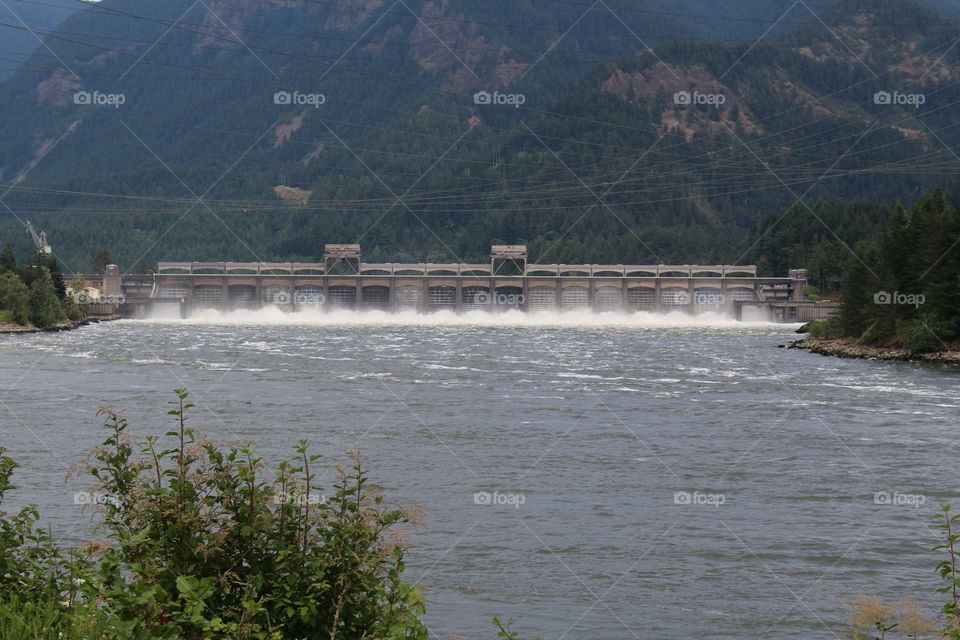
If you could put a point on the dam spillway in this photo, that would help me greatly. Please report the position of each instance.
(508, 281)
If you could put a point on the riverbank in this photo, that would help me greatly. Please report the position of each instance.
(10, 327)
(845, 349)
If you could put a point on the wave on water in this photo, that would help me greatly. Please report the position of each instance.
(448, 318)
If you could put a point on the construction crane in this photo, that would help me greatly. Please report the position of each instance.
(40, 240)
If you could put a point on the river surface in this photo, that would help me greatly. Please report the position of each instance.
(655, 477)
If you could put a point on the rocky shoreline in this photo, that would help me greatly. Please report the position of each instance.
(845, 349)
(9, 327)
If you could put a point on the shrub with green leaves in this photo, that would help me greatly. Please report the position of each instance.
(206, 541)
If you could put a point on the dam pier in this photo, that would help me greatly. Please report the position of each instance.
(507, 281)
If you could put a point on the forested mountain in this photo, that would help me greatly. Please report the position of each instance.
(18, 44)
(736, 20)
(429, 129)
(948, 8)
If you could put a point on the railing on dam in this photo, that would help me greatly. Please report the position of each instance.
(456, 269)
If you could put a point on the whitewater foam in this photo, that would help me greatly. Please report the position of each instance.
(272, 316)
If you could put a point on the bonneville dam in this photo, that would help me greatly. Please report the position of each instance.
(508, 281)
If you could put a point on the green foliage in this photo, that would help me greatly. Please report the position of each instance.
(948, 570)
(72, 303)
(818, 239)
(31, 565)
(921, 335)
(14, 298)
(815, 329)
(829, 328)
(8, 261)
(45, 307)
(34, 293)
(902, 288)
(204, 542)
(101, 260)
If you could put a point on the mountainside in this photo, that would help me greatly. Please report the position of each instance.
(260, 129)
(948, 8)
(19, 44)
(736, 20)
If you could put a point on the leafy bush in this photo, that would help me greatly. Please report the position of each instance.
(812, 293)
(815, 329)
(202, 545)
(828, 328)
(921, 335)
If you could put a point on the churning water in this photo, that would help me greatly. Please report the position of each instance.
(591, 476)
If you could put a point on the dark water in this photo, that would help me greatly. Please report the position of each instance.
(587, 429)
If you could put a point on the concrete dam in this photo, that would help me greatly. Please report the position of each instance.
(508, 281)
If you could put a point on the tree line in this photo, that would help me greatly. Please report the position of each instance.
(34, 293)
(902, 288)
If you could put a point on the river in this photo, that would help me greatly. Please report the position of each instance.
(591, 476)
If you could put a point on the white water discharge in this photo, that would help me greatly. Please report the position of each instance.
(447, 318)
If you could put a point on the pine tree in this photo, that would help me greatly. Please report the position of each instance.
(45, 307)
(938, 279)
(14, 297)
(8, 261)
(56, 274)
(857, 293)
(917, 260)
(101, 260)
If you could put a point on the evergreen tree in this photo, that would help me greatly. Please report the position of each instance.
(8, 261)
(857, 294)
(45, 307)
(101, 260)
(31, 268)
(14, 297)
(56, 274)
(914, 300)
